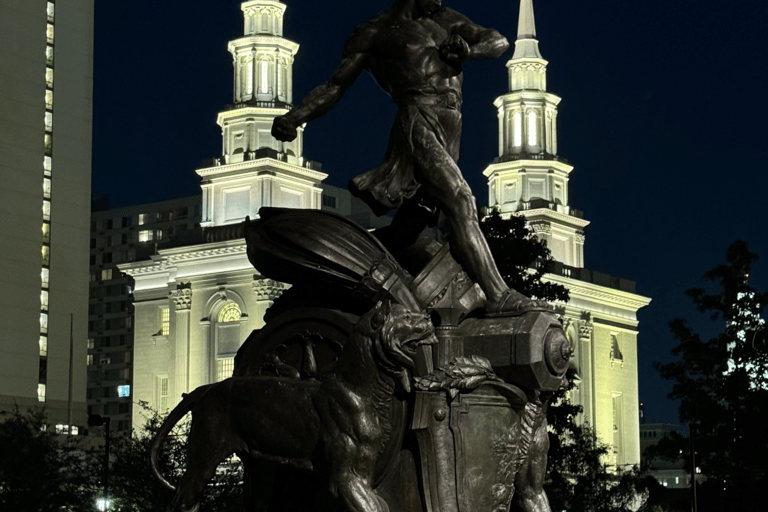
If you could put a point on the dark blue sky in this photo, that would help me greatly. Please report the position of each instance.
(663, 117)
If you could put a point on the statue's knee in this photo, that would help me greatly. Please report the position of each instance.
(463, 202)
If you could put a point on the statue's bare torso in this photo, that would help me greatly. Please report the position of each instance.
(404, 55)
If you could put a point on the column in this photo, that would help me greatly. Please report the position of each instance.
(266, 291)
(182, 299)
(586, 367)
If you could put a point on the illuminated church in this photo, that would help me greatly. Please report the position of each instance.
(194, 305)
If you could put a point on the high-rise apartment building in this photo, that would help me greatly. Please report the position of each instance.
(46, 89)
(124, 235)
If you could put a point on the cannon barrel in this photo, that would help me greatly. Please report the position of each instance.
(529, 350)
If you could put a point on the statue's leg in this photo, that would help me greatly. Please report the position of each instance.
(529, 482)
(352, 473)
(443, 182)
(203, 457)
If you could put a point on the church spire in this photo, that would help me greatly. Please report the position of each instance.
(528, 177)
(526, 45)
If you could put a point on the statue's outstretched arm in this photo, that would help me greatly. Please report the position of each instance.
(469, 41)
(323, 97)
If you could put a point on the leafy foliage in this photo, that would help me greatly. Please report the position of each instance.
(521, 257)
(39, 469)
(579, 478)
(723, 385)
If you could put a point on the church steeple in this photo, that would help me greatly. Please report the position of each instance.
(526, 45)
(528, 177)
(254, 168)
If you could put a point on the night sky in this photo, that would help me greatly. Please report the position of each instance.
(663, 116)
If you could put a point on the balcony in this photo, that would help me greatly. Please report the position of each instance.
(591, 276)
(509, 157)
(258, 104)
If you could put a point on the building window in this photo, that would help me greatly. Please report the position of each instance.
(49, 78)
(161, 392)
(44, 300)
(616, 354)
(229, 313)
(41, 392)
(227, 339)
(44, 276)
(517, 129)
(49, 33)
(106, 274)
(50, 11)
(49, 121)
(47, 164)
(329, 201)
(144, 218)
(146, 235)
(124, 390)
(46, 210)
(225, 366)
(49, 55)
(43, 345)
(264, 85)
(165, 321)
(533, 129)
(46, 233)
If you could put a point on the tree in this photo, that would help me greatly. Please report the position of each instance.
(577, 476)
(133, 487)
(39, 469)
(722, 384)
(522, 258)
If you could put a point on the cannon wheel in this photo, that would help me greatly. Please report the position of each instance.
(304, 343)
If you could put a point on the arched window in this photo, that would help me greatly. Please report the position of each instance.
(228, 339)
(517, 129)
(533, 129)
(229, 313)
(263, 76)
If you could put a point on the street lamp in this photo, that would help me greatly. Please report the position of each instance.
(96, 420)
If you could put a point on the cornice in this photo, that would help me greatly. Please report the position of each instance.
(245, 165)
(563, 218)
(526, 94)
(516, 165)
(263, 40)
(252, 111)
(600, 294)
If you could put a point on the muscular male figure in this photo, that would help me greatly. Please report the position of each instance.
(415, 50)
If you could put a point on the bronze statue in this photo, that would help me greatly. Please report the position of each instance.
(340, 423)
(415, 51)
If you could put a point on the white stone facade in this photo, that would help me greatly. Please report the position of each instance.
(528, 178)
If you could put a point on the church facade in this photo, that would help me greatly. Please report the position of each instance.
(194, 305)
(600, 319)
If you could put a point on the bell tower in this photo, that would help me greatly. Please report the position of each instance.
(254, 169)
(528, 177)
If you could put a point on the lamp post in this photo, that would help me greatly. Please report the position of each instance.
(96, 420)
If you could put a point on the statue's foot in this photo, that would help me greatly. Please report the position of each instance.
(512, 303)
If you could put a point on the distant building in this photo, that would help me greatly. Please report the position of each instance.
(46, 89)
(118, 236)
(529, 178)
(671, 474)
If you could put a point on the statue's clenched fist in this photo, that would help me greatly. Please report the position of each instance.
(283, 129)
(455, 49)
